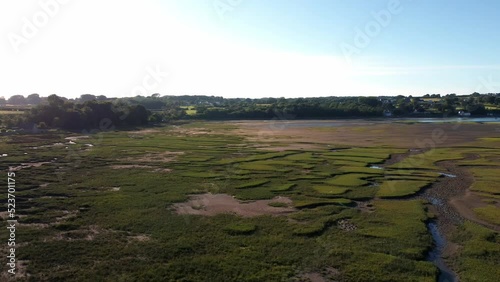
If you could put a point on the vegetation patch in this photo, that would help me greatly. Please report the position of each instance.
(312, 202)
(262, 167)
(278, 204)
(252, 184)
(240, 228)
(310, 229)
(359, 159)
(351, 180)
(283, 187)
(366, 170)
(411, 172)
(214, 233)
(304, 157)
(200, 174)
(489, 213)
(330, 190)
(307, 177)
(486, 186)
(427, 160)
(478, 259)
(392, 189)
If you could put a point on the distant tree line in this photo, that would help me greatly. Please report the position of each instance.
(299, 108)
(88, 110)
(58, 112)
(32, 99)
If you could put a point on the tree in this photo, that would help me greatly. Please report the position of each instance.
(17, 100)
(370, 101)
(3, 102)
(34, 99)
(87, 97)
(155, 117)
(138, 115)
(476, 109)
(42, 125)
(55, 101)
(488, 99)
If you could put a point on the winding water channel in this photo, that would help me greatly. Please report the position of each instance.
(435, 255)
(452, 183)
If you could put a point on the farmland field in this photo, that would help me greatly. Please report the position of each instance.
(254, 201)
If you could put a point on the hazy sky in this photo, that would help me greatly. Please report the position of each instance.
(249, 48)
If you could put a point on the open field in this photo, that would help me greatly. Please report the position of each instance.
(5, 112)
(247, 201)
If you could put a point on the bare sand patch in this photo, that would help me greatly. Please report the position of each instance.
(34, 225)
(139, 238)
(27, 165)
(214, 204)
(74, 138)
(67, 215)
(366, 207)
(89, 234)
(54, 197)
(145, 131)
(4, 215)
(20, 272)
(129, 166)
(466, 204)
(191, 131)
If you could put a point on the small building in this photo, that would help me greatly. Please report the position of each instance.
(464, 114)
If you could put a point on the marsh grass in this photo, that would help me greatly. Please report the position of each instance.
(489, 213)
(400, 188)
(479, 258)
(349, 180)
(240, 228)
(283, 187)
(97, 243)
(252, 184)
(330, 190)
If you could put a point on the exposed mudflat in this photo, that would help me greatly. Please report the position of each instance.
(374, 132)
(214, 204)
(453, 199)
(446, 188)
(396, 158)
